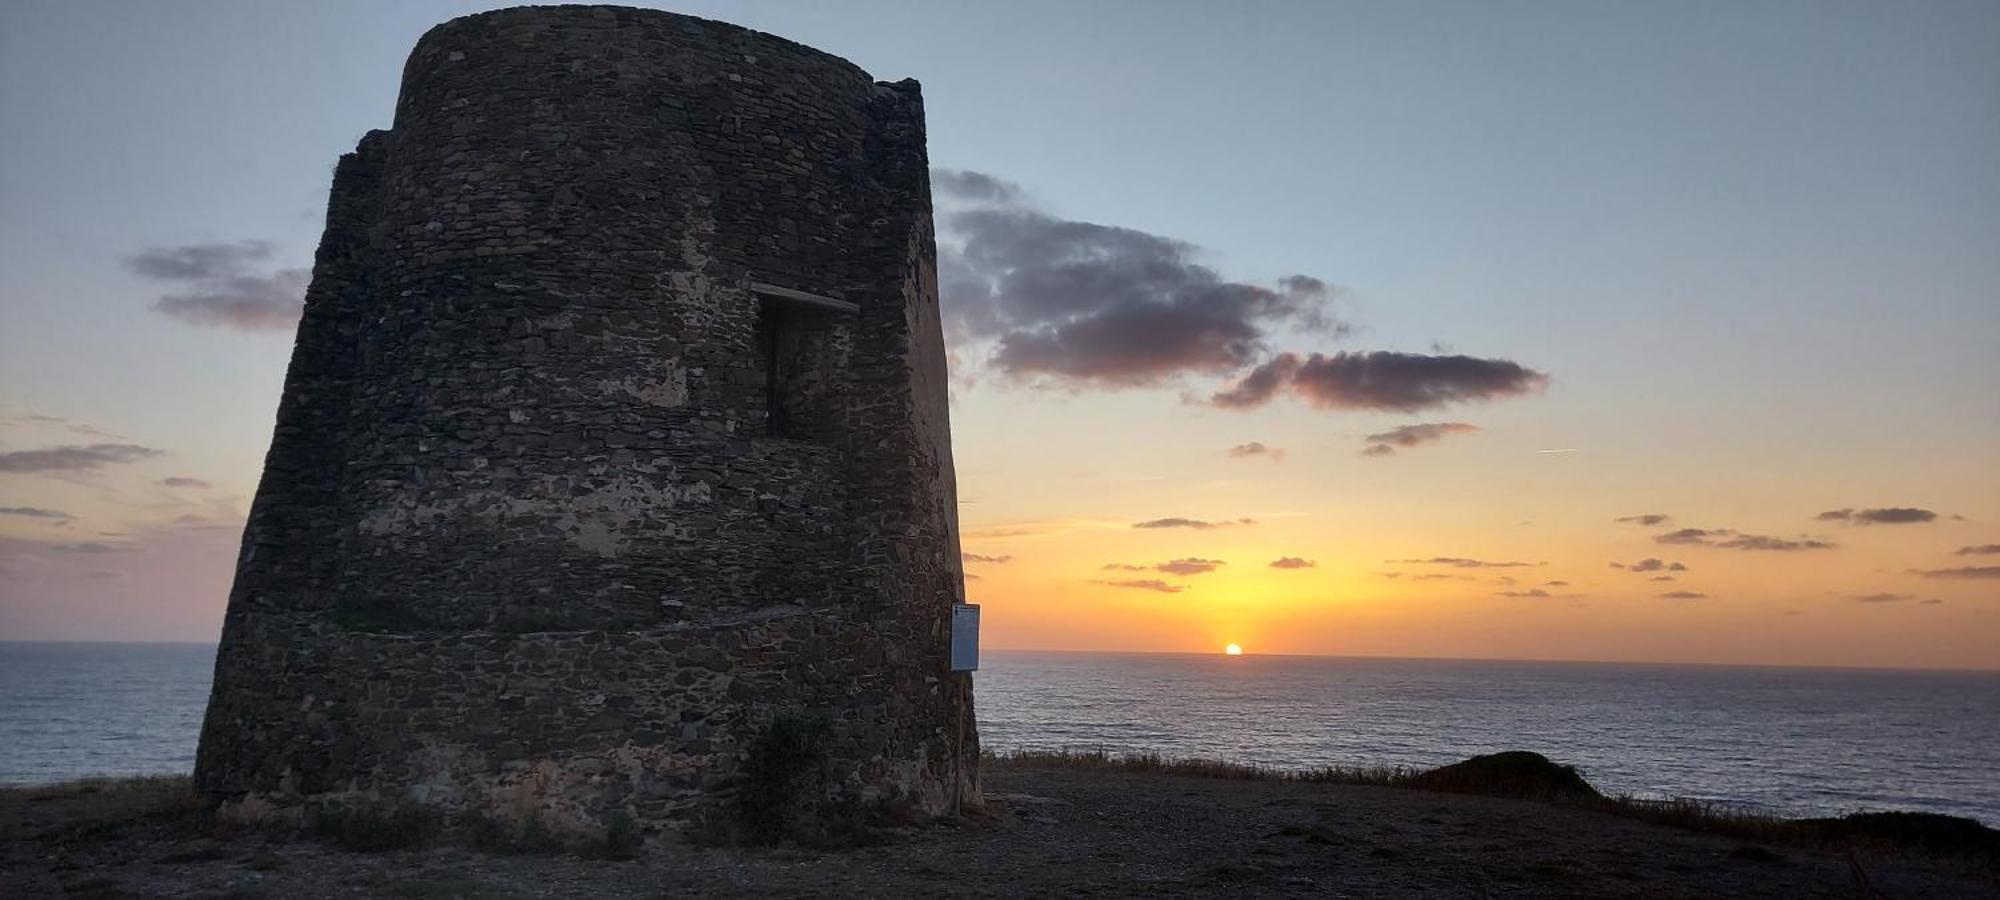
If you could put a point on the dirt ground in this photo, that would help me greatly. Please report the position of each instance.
(1055, 832)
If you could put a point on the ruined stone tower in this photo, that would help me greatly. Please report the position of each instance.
(615, 431)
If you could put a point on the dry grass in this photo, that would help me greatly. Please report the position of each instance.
(1706, 816)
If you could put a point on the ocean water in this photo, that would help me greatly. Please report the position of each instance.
(1792, 741)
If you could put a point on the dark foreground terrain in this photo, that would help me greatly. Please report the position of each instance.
(1054, 829)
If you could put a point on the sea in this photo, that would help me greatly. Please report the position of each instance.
(1792, 741)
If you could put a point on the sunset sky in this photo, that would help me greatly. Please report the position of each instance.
(1663, 332)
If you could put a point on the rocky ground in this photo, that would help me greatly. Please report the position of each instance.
(1054, 830)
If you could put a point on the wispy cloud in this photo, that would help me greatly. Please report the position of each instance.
(1735, 540)
(1651, 564)
(182, 481)
(1880, 598)
(34, 512)
(1380, 380)
(1684, 595)
(1256, 448)
(1196, 524)
(227, 285)
(74, 458)
(1960, 572)
(1144, 584)
(1292, 562)
(982, 558)
(1534, 592)
(1186, 566)
(1462, 562)
(1978, 550)
(1406, 436)
(1646, 519)
(1888, 515)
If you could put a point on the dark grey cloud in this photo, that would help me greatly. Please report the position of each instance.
(1082, 304)
(1729, 539)
(1256, 448)
(1555, 584)
(1144, 584)
(1462, 562)
(226, 285)
(1407, 436)
(1684, 595)
(74, 458)
(981, 558)
(1647, 519)
(182, 481)
(1961, 572)
(1888, 515)
(1380, 379)
(1978, 550)
(33, 512)
(198, 262)
(1535, 592)
(1196, 524)
(1651, 564)
(1292, 562)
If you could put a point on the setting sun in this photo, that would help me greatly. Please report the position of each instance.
(1233, 650)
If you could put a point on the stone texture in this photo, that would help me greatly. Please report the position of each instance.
(528, 541)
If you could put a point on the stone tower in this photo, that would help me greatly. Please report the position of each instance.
(615, 431)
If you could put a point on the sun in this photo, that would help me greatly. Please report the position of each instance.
(1233, 650)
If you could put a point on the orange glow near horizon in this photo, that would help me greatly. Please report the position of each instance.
(1233, 650)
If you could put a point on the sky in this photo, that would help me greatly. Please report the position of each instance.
(1638, 331)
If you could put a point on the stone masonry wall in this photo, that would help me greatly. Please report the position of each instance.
(526, 540)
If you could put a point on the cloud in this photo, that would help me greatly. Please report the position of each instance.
(1059, 301)
(1292, 562)
(1961, 572)
(1380, 380)
(1144, 584)
(1646, 519)
(1462, 563)
(1881, 598)
(74, 458)
(1662, 578)
(1978, 550)
(222, 287)
(1536, 592)
(1555, 584)
(1407, 436)
(1196, 524)
(1735, 540)
(1888, 515)
(198, 262)
(1684, 595)
(91, 547)
(1766, 542)
(1187, 566)
(981, 558)
(1932, 602)
(34, 512)
(1256, 448)
(1649, 564)
(182, 481)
